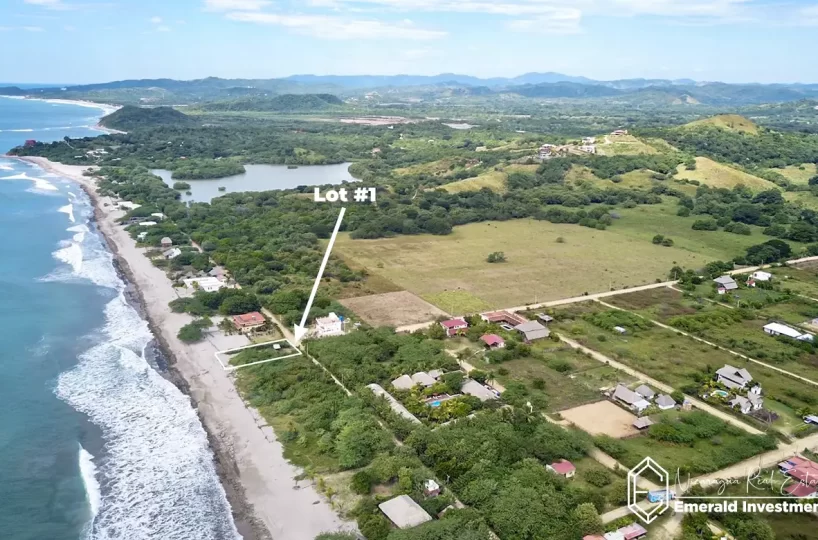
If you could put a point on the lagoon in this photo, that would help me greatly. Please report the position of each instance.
(262, 178)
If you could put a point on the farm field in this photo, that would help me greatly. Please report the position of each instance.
(716, 174)
(392, 309)
(538, 268)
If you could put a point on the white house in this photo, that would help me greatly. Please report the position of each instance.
(331, 325)
(148, 223)
(746, 405)
(159, 215)
(172, 253)
(141, 236)
(588, 140)
(725, 284)
(758, 276)
(588, 148)
(630, 398)
(665, 402)
(206, 284)
(733, 378)
(778, 329)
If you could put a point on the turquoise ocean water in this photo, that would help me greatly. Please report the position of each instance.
(94, 442)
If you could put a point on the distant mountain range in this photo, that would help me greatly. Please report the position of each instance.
(637, 92)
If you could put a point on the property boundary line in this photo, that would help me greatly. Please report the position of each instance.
(254, 346)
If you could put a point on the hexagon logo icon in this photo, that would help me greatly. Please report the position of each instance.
(658, 500)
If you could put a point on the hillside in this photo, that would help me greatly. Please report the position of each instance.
(719, 175)
(130, 117)
(282, 103)
(729, 122)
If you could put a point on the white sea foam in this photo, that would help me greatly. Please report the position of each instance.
(158, 479)
(27, 130)
(88, 471)
(4, 167)
(68, 209)
(40, 184)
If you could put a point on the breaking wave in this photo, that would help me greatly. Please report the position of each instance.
(88, 471)
(68, 209)
(40, 184)
(157, 478)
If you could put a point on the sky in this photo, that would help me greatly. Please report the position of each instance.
(85, 41)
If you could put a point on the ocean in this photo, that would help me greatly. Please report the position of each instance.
(95, 443)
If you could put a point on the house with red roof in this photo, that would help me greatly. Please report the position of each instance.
(454, 326)
(493, 341)
(562, 467)
(802, 491)
(249, 321)
(504, 317)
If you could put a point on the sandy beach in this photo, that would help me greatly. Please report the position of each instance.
(266, 499)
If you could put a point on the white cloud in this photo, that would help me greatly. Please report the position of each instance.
(69, 28)
(557, 21)
(49, 4)
(235, 5)
(339, 28)
(156, 20)
(163, 28)
(33, 28)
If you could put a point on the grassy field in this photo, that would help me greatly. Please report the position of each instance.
(556, 390)
(717, 174)
(539, 268)
(803, 198)
(622, 145)
(494, 180)
(798, 174)
(730, 122)
(580, 175)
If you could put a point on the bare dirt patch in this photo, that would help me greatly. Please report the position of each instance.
(602, 418)
(393, 309)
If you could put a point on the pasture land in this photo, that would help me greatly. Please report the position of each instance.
(602, 418)
(392, 309)
(803, 199)
(493, 180)
(800, 279)
(798, 174)
(716, 174)
(538, 267)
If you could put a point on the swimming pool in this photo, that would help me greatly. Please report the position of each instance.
(721, 393)
(434, 404)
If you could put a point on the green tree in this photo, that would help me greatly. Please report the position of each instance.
(587, 518)
(190, 333)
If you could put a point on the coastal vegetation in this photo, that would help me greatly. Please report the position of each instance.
(694, 198)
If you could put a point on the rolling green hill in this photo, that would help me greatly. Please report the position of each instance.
(130, 117)
(729, 122)
(282, 103)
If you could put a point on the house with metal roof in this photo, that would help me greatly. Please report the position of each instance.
(665, 402)
(733, 377)
(404, 512)
(532, 330)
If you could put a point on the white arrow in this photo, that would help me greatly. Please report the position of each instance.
(300, 329)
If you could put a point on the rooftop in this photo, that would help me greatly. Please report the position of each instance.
(404, 512)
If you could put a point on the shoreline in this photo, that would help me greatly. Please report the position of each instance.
(267, 501)
(106, 108)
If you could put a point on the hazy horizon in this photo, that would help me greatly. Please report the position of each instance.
(86, 41)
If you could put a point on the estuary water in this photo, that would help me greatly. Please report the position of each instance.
(95, 443)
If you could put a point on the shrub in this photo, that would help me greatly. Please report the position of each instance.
(705, 225)
(361, 482)
(597, 477)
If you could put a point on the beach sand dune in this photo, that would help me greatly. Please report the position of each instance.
(252, 462)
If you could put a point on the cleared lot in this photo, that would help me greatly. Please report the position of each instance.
(602, 418)
(392, 309)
